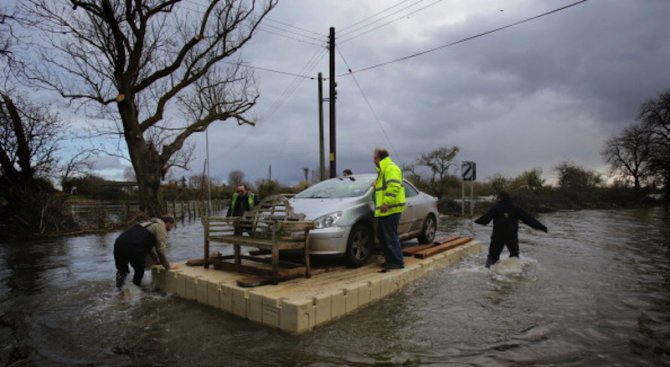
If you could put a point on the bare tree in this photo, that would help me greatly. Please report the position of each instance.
(574, 177)
(77, 165)
(147, 60)
(655, 116)
(499, 183)
(12, 44)
(439, 161)
(8, 37)
(7, 34)
(235, 178)
(29, 137)
(628, 154)
(528, 180)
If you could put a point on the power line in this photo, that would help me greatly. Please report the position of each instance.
(199, 8)
(389, 22)
(373, 15)
(269, 70)
(260, 28)
(321, 39)
(343, 34)
(294, 27)
(465, 39)
(283, 97)
(367, 101)
(295, 83)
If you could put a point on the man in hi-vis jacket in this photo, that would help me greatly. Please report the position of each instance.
(389, 205)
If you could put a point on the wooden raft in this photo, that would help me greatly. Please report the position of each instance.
(272, 226)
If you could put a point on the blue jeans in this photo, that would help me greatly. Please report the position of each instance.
(389, 241)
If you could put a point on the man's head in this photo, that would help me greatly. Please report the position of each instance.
(242, 189)
(379, 154)
(169, 222)
(503, 196)
(347, 172)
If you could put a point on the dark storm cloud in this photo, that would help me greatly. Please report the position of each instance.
(531, 96)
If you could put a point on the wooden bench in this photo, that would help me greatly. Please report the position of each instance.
(273, 226)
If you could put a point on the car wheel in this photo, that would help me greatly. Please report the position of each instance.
(359, 245)
(429, 229)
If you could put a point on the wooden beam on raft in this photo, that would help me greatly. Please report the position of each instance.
(411, 250)
(258, 280)
(448, 245)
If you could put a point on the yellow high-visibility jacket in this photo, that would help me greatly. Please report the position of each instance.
(389, 189)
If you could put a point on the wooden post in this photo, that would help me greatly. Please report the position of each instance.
(205, 225)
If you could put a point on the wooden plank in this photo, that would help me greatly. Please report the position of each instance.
(255, 281)
(258, 252)
(268, 260)
(201, 261)
(411, 250)
(447, 239)
(441, 248)
(287, 268)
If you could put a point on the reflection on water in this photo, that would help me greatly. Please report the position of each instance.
(595, 290)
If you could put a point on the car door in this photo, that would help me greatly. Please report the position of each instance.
(410, 219)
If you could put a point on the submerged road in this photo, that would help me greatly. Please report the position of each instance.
(594, 291)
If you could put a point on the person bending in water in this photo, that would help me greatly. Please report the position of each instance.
(506, 215)
(142, 241)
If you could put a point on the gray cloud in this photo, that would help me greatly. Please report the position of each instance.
(527, 97)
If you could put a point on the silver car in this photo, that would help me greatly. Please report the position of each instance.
(343, 211)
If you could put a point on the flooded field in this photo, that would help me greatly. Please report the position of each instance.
(594, 291)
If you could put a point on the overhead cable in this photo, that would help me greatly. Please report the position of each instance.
(367, 101)
(373, 15)
(262, 29)
(324, 38)
(344, 34)
(269, 70)
(283, 97)
(465, 39)
(402, 16)
(294, 84)
(292, 26)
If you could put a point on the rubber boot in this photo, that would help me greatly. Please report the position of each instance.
(120, 279)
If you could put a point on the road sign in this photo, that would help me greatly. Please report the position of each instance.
(469, 171)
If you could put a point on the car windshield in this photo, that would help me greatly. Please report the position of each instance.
(337, 188)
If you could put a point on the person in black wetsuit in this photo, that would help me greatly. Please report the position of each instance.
(506, 215)
(143, 243)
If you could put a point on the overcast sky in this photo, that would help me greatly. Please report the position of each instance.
(531, 96)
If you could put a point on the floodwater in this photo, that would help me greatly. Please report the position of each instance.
(594, 291)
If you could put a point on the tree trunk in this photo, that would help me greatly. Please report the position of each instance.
(145, 159)
(148, 175)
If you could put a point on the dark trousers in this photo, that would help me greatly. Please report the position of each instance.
(497, 245)
(389, 241)
(124, 256)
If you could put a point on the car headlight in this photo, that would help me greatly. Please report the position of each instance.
(327, 220)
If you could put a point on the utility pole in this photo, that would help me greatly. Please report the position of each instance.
(332, 84)
(322, 161)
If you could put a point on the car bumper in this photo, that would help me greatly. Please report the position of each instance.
(328, 241)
